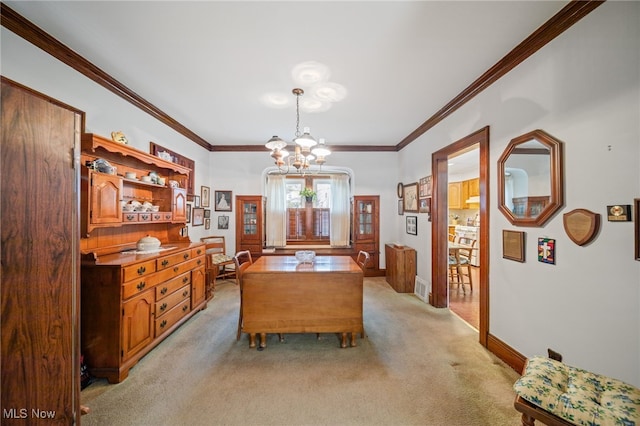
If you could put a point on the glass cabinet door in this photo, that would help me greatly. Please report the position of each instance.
(250, 218)
(365, 209)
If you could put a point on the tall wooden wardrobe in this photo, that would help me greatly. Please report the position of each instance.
(40, 267)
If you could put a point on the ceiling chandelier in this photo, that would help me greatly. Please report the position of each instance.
(303, 153)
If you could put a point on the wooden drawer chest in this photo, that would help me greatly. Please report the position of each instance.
(130, 302)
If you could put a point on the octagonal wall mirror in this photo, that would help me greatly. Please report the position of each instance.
(530, 179)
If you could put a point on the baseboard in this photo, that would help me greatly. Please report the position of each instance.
(506, 353)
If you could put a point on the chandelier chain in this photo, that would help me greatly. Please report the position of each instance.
(298, 115)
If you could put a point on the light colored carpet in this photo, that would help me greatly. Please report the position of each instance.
(417, 366)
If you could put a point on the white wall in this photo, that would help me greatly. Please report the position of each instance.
(583, 88)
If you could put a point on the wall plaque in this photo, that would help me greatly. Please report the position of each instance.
(581, 225)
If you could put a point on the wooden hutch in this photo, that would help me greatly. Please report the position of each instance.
(132, 300)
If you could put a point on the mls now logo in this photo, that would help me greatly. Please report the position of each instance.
(23, 413)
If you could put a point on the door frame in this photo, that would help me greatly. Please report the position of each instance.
(440, 253)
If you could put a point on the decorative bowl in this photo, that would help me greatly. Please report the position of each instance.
(305, 256)
(148, 243)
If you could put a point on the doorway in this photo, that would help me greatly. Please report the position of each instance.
(463, 229)
(440, 215)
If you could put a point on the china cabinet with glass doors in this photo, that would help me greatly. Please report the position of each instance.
(249, 224)
(365, 228)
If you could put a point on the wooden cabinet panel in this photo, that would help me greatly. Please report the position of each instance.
(105, 196)
(401, 268)
(474, 187)
(198, 286)
(179, 207)
(40, 269)
(137, 325)
(455, 195)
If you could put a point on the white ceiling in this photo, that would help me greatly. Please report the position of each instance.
(207, 63)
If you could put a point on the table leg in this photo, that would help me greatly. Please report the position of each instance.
(353, 339)
(343, 340)
(263, 340)
(252, 340)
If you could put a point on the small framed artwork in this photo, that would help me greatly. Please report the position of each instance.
(425, 187)
(412, 225)
(207, 213)
(411, 197)
(619, 213)
(547, 250)
(223, 222)
(223, 201)
(188, 212)
(636, 218)
(198, 216)
(425, 207)
(207, 223)
(400, 190)
(400, 207)
(513, 245)
(196, 201)
(205, 193)
(184, 232)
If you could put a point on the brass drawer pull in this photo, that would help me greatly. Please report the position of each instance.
(176, 269)
(199, 251)
(130, 217)
(185, 280)
(163, 307)
(186, 256)
(163, 291)
(199, 262)
(163, 324)
(141, 286)
(184, 308)
(142, 270)
(165, 263)
(185, 293)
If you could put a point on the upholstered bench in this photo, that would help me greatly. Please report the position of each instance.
(557, 394)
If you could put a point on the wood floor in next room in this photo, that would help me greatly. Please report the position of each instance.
(467, 305)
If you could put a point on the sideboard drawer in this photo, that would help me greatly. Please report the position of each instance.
(166, 304)
(173, 259)
(168, 287)
(138, 285)
(173, 316)
(138, 270)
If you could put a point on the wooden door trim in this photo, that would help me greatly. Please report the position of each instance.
(439, 250)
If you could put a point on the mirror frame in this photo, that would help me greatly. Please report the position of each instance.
(556, 179)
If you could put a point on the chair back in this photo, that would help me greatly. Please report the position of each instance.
(214, 244)
(363, 259)
(242, 260)
(466, 254)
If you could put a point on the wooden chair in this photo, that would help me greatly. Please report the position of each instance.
(460, 264)
(242, 260)
(362, 259)
(218, 264)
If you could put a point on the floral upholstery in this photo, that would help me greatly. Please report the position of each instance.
(578, 396)
(217, 259)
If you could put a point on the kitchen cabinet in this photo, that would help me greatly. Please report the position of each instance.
(474, 187)
(131, 302)
(40, 268)
(456, 198)
(366, 213)
(250, 224)
(401, 267)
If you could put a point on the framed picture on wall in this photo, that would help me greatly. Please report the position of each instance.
(223, 201)
(412, 225)
(188, 212)
(411, 197)
(205, 194)
(400, 207)
(513, 245)
(198, 216)
(636, 219)
(223, 222)
(425, 187)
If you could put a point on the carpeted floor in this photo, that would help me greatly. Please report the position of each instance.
(417, 366)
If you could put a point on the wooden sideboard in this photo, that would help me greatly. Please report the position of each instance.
(401, 267)
(131, 302)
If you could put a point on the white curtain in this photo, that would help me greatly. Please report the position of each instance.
(339, 211)
(276, 223)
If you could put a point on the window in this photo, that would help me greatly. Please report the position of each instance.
(308, 221)
(291, 219)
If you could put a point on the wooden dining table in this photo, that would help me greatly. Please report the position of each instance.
(281, 295)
